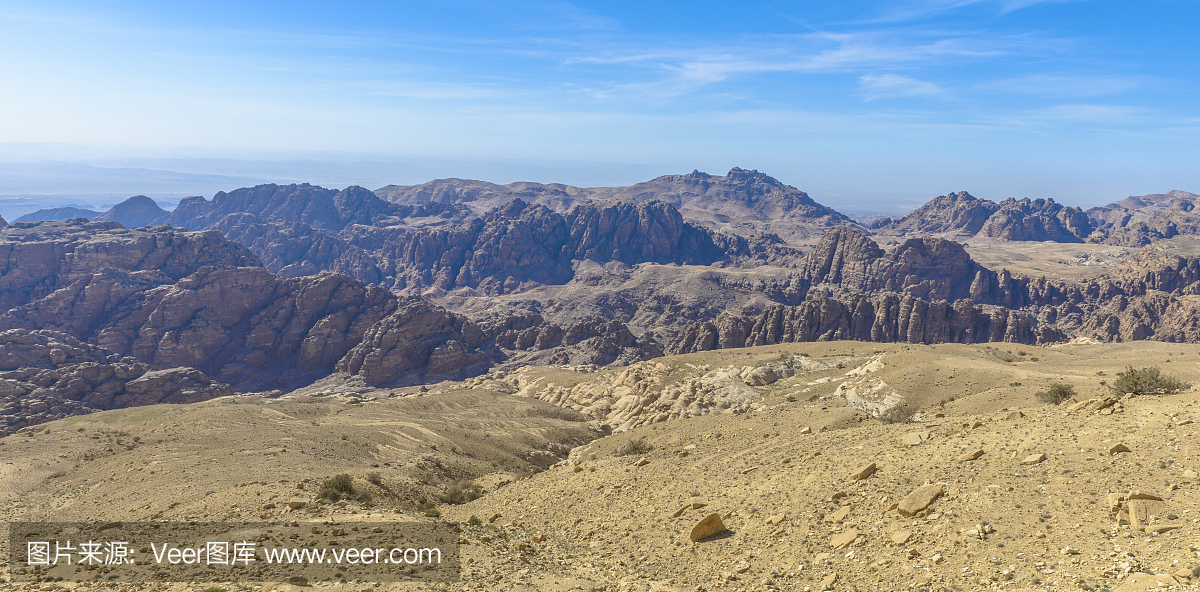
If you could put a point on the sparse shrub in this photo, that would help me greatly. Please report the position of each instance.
(337, 487)
(214, 589)
(1057, 393)
(375, 478)
(1146, 381)
(790, 398)
(578, 469)
(345, 437)
(1014, 384)
(432, 512)
(636, 446)
(474, 520)
(461, 493)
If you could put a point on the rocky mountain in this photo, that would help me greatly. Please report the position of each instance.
(1140, 220)
(743, 202)
(317, 207)
(3, 222)
(961, 214)
(136, 211)
(57, 215)
(172, 298)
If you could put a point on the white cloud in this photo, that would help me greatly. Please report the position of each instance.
(889, 86)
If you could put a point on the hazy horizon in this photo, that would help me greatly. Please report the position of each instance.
(865, 105)
(98, 184)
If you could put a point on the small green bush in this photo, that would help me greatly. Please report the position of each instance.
(337, 487)
(432, 513)
(374, 477)
(1146, 381)
(474, 520)
(1057, 393)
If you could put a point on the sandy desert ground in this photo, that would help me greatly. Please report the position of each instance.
(615, 513)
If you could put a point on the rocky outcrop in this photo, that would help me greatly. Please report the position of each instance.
(242, 325)
(3, 223)
(36, 259)
(317, 207)
(930, 268)
(418, 335)
(1037, 220)
(1012, 219)
(136, 211)
(47, 375)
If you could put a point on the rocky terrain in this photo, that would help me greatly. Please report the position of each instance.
(194, 305)
(527, 285)
(757, 469)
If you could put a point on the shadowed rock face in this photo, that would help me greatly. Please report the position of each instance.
(1012, 219)
(136, 211)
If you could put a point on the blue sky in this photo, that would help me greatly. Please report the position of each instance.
(865, 105)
